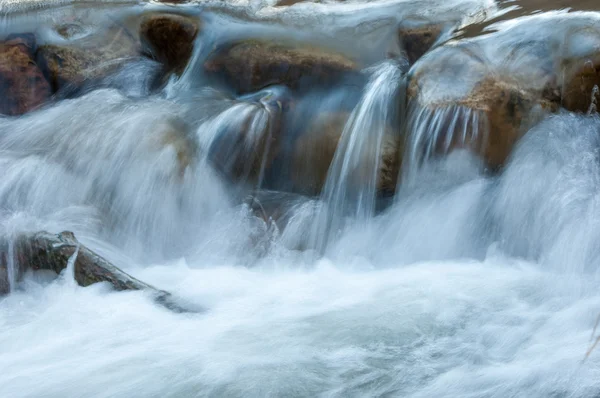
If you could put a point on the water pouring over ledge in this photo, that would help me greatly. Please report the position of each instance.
(366, 161)
(470, 282)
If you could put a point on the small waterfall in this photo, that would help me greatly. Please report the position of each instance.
(238, 139)
(11, 265)
(352, 182)
(438, 130)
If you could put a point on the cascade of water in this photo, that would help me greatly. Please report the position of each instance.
(11, 265)
(238, 139)
(354, 175)
(437, 131)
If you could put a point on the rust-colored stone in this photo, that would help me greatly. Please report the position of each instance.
(23, 85)
(251, 65)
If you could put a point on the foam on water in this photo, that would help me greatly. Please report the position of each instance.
(467, 284)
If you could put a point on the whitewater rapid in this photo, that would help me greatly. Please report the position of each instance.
(470, 285)
(461, 282)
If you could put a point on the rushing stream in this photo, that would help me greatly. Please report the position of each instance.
(382, 227)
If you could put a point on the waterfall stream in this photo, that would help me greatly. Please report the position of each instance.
(388, 198)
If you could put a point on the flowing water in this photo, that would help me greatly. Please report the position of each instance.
(465, 283)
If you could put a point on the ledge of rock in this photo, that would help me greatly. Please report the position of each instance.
(23, 85)
(170, 39)
(418, 39)
(89, 58)
(50, 252)
(251, 65)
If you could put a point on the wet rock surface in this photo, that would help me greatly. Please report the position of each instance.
(251, 65)
(89, 58)
(23, 87)
(315, 149)
(43, 251)
(169, 38)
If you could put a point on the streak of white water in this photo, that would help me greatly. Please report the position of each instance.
(435, 132)
(354, 175)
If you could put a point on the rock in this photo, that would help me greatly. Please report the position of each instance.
(43, 251)
(251, 65)
(248, 142)
(418, 39)
(23, 85)
(170, 39)
(458, 99)
(315, 149)
(89, 58)
(579, 79)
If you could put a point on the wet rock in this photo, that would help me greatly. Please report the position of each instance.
(315, 149)
(43, 251)
(169, 39)
(417, 39)
(22, 83)
(462, 97)
(248, 142)
(581, 76)
(89, 58)
(251, 65)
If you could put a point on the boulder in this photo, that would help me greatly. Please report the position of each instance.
(251, 65)
(169, 38)
(580, 77)
(459, 99)
(23, 85)
(43, 251)
(89, 58)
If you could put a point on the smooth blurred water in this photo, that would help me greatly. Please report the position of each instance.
(466, 284)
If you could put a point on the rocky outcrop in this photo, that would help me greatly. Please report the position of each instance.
(89, 58)
(251, 65)
(49, 252)
(169, 38)
(22, 84)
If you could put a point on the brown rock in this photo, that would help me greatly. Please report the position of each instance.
(170, 39)
(580, 78)
(502, 112)
(315, 149)
(22, 83)
(417, 40)
(49, 252)
(89, 58)
(254, 64)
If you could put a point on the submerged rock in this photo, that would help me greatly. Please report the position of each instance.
(43, 251)
(169, 39)
(251, 65)
(88, 58)
(23, 85)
